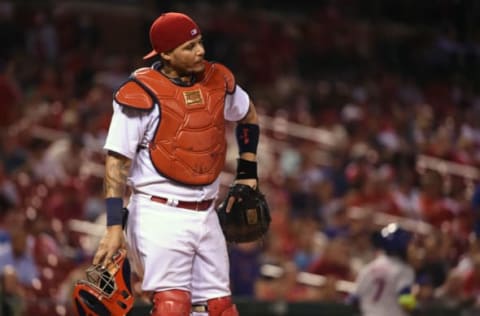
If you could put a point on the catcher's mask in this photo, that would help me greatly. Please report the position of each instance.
(106, 291)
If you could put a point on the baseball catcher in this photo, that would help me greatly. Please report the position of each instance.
(106, 291)
(249, 215)
(166, 143)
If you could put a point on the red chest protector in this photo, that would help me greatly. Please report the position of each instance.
(189, 145)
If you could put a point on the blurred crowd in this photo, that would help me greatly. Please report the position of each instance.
(382, 89)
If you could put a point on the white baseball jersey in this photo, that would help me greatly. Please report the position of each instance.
(171, 248)
(379, 284)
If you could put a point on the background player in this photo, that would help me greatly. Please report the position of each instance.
(384, 285)
(167, 140)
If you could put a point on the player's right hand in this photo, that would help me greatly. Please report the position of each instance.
(109, 245)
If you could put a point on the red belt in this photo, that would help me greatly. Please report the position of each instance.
(191, 205)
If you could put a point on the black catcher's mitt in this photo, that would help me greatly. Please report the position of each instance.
(249, 217)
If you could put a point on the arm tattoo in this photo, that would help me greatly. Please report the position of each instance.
(116, 173)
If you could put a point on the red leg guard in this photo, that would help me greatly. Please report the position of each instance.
(222, 306)
(171, 303)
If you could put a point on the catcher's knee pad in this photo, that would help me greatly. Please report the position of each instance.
(222, 306)
(171, 303)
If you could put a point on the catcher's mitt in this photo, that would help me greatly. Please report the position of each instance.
(249, 217)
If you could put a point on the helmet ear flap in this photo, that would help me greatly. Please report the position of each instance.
(79, 308)
(86, 299)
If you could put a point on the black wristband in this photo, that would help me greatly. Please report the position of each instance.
(114, 207)
(246, 169)
(247, 137)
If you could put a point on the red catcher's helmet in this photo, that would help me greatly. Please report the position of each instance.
(106, 291)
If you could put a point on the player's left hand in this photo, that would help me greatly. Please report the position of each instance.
(250, 182)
